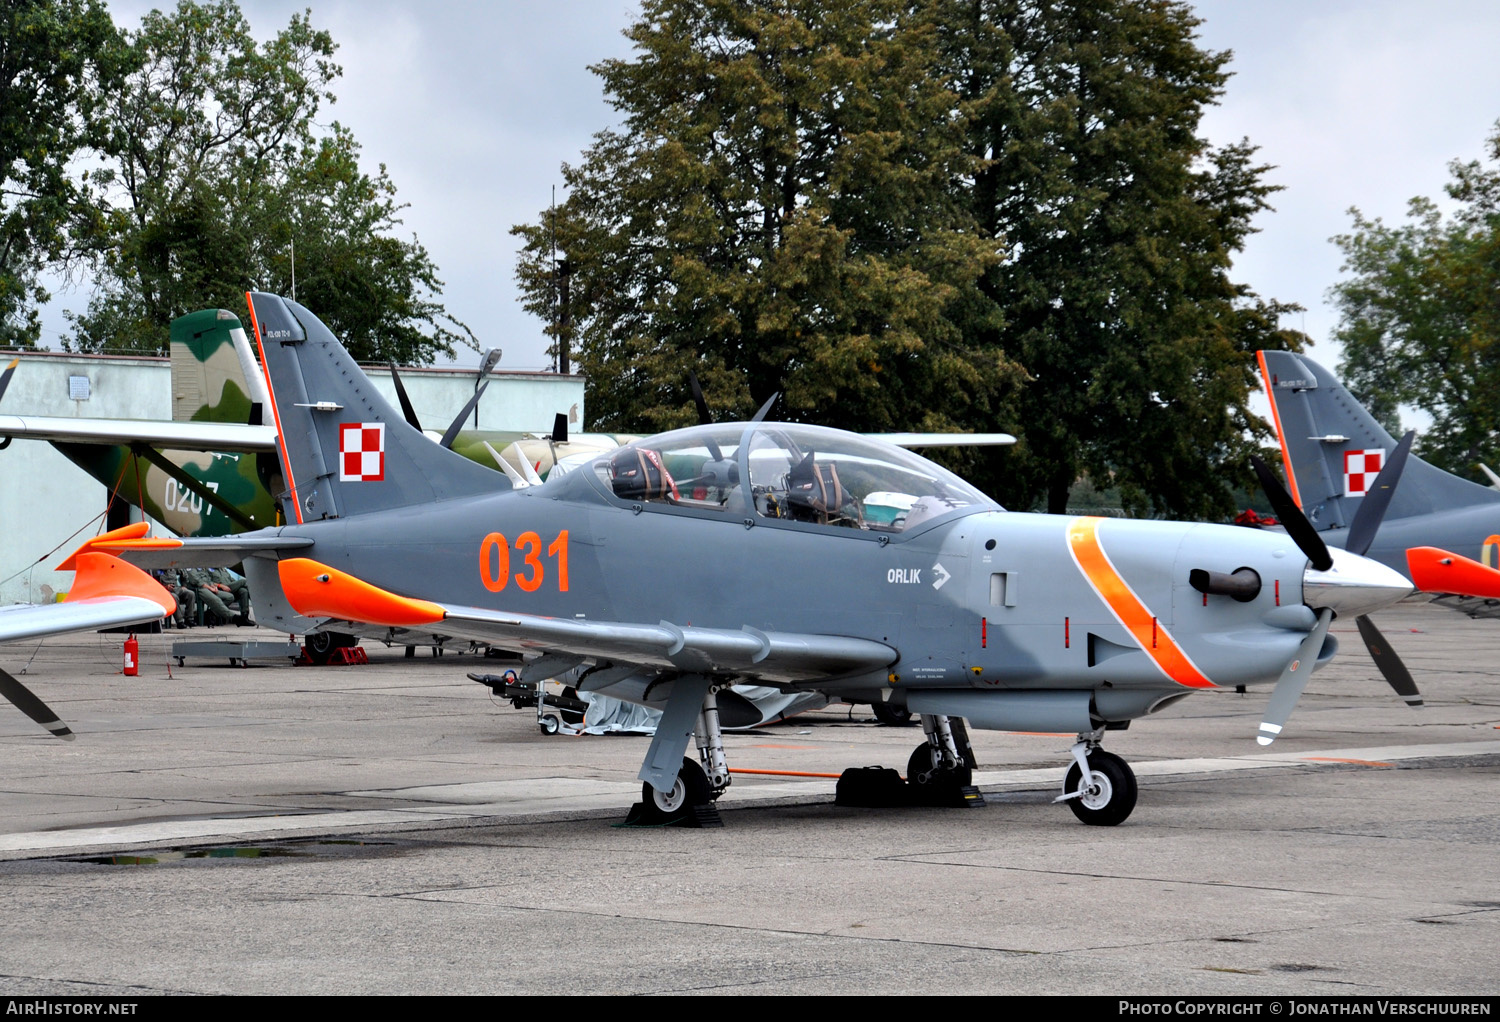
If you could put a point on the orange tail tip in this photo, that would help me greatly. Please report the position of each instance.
(102, 575)
(1438, 571)
(127, 537)
(316, 590)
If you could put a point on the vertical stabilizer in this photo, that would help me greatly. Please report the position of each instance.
(1332, 449)
(215, 377)
(344, 450)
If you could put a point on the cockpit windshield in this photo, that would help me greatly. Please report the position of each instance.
(787, 471)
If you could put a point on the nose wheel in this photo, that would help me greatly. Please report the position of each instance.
(1108, 795)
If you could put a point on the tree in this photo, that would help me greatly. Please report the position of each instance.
(1420, 315)
(55, 57)
(777, 214)
(1120, 224)
(890, 211)
(214, 170)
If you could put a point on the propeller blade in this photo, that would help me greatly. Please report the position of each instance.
(1296, 523)
(1293, 680)
(406, 408)
(10, 371)
(1372, 506)
(765, 408)
(458, 422)
(704, 418)
(517, 481)
(27, 702)
(1390, 664)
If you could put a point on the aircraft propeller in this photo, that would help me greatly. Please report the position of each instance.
(451, 434)
(10, 371)
(406, 408)
(718, 472)
(1361, 534)
(27, 702)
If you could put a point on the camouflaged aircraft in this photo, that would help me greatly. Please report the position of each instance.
(1333, 449)
(221, 480)
(794, 556)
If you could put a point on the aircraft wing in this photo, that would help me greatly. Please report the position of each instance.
(39, 620)
(318, 591)
(174, 436)
(945, 439)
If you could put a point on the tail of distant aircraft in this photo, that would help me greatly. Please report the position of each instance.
(344, 450)
(1332, 449)
(215, 377)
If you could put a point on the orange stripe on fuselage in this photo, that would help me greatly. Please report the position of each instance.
(1286, 456)
(1155, 640)
(286, 462)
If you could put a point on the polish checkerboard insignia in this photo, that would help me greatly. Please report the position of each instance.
(1360, 470)
(361, 452)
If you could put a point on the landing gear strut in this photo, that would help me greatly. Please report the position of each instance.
(941, 769)
(689, 801)
(1100, 787)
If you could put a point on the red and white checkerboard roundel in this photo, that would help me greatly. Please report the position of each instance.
(361, 452)
(1360, 470)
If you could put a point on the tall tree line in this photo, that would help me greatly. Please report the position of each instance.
(178, 164)
(1420, 315)
(936, 214)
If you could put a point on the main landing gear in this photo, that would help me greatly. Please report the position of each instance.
(941, 769)
(1100, 787)
(689, 801)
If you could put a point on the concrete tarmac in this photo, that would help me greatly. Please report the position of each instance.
(391, 828)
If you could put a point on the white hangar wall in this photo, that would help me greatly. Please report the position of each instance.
(45, 499)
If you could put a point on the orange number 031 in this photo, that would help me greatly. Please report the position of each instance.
(494, 561)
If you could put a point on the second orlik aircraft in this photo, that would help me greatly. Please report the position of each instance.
(1442, 531)
(794, 556)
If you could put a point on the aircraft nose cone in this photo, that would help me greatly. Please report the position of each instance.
(1354, 585)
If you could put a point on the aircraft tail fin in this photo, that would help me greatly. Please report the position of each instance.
(344, 449)
(215, 377)
(1332, 449)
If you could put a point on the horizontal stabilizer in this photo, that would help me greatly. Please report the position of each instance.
(200, 551)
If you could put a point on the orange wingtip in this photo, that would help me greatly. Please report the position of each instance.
(1438, 571)
(100, 574)
(316, 590)
(127, 537)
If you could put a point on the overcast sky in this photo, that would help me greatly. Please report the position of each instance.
(473, 104)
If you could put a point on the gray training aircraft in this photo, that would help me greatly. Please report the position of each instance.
(794, 556)
(1443, 532)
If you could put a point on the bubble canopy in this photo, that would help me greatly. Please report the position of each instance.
(787, 471)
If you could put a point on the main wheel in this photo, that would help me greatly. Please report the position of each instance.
(920, 773)
(1110, 799)
(320, 645)
(690, 789)
(891, 715)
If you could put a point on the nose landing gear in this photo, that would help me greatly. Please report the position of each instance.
(1100, 787)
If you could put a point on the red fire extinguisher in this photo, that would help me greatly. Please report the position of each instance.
(132, 657)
